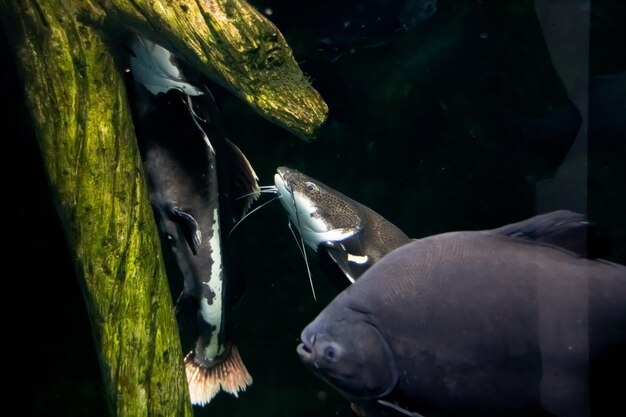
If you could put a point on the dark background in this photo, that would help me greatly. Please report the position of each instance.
(448, 126)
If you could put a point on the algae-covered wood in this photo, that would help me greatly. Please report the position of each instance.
(230, 42)
(75, 93)
(81, 118)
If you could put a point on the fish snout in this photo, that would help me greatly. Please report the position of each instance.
(283, 174)
(308, 339)
(282, 188)
(282, 182)
(282, 171)
(288, 175)
(306, 355)
(303, 351)
(305, 348)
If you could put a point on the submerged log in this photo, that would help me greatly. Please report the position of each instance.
(81, 118)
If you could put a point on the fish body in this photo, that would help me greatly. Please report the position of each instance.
(476, 323)
(192, 171)
(347, 236)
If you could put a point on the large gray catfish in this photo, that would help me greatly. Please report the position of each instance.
(514, 321)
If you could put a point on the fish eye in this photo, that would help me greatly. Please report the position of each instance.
(310, 187)
(329, 353)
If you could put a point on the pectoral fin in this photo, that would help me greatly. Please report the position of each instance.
(335, 253)
(189, 226)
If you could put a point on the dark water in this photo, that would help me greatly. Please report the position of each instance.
(484, 114)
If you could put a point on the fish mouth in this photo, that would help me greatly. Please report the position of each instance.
(306, 355)
(286, 195)
(305, 348)
(282, 184)
(304, 351)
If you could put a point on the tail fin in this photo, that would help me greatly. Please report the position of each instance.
(229, 375)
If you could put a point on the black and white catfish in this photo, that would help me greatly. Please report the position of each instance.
(347, 236)
(194, 175)
(514, 321)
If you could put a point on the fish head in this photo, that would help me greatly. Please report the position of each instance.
(320, 213)
(344, 348)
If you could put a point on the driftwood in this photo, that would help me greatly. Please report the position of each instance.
(80, 114)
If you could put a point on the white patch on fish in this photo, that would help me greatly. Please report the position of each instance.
(154, 67)
(212, 313)
(214, 243)
(357, 259)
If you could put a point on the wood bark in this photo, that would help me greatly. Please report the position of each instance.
(81, 118)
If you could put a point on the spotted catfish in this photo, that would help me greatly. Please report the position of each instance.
(347, 236)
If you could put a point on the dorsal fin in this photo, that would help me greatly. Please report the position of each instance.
(243, 180)
(562, 228)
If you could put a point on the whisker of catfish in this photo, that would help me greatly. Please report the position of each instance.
(308, 270)
(293, 233)
(262, 191)
(250, 212)
(303, 253)
(303, 250)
